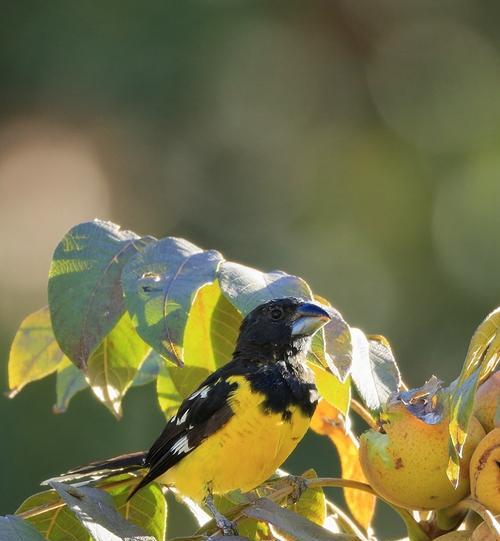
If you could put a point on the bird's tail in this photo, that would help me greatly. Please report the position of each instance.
(132, 462)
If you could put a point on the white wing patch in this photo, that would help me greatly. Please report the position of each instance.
(202, 393)
(181, 446)
(180, 420)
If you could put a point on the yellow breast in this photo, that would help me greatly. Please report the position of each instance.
(245, 452)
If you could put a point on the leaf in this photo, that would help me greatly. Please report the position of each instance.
(147, 509)
(15, 529)
(312, 502)
(211, 330)
(209, 340)
(94, 509)
(34, 353)
(335, 392)
(246, 287)
(160, 285)
(149, 369)
(169, 398)
(290, 523)
(328, 421)
(374, 369)
(481, 361)
(70, 380)
(57, 524)
(114, 364)
(338, 345)
(85, 293)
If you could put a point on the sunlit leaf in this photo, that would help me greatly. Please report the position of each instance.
(169, 398)
(249, 528)
(328, 421)
(291, 523)
(211, 330)
(70, 380)
(246, 287)
(56, 524)
(147, 509)
(15, 529)
(338, 394)
(374, 369)
(481, 361)
(149, 369)
(34, 353)
(85, 292)
(113, 365)
(312, 502)
(96, 512)
(160, 285)
(336, 343)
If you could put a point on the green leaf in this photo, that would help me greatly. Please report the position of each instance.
(169, 398)
(56, 524)
(338, 345)
(34, 353)
(291, 523)
(147, 509)
(312, 502)
(481, 360)
(374, 369)
(160, 285)
(246, 287)
(335, 392)
(70, 380)
(114, 364)
(85, 293)
(15, 529)
(95, 510)
(211, 330)
(149, 369)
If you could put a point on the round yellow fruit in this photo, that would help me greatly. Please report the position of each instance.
(487, 400)
(462, 535)
(485, 471)
(407, 464)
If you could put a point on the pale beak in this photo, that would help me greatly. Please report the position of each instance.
(309, 317)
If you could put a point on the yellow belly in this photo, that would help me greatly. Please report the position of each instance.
(245, 452)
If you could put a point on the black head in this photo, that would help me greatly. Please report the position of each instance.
(280, 327)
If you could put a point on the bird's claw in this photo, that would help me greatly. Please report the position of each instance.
(226, 526)
(299, 487)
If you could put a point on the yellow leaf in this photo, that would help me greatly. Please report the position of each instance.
(338, 394)
(328, 421)
(34, 353)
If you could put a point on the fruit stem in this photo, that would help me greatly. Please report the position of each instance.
(367, 417)
(484, 513)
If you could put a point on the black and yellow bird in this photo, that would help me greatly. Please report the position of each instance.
(244, 420)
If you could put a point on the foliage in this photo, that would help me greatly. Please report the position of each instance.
(127, 310)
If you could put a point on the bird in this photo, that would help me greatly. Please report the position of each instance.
(242, 422)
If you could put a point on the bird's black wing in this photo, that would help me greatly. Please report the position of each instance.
(201, 414)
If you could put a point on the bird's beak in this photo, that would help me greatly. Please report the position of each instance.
(309, 317)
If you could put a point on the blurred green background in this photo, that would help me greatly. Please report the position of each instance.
(353, 143)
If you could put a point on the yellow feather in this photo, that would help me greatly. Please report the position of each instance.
(245, 452)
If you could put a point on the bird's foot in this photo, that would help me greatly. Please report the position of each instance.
(299, 487)
(226, 526)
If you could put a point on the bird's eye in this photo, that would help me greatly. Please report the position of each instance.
(276, 313)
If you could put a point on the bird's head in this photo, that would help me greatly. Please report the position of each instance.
(281, 327)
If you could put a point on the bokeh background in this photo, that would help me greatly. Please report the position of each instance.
(353, 143)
